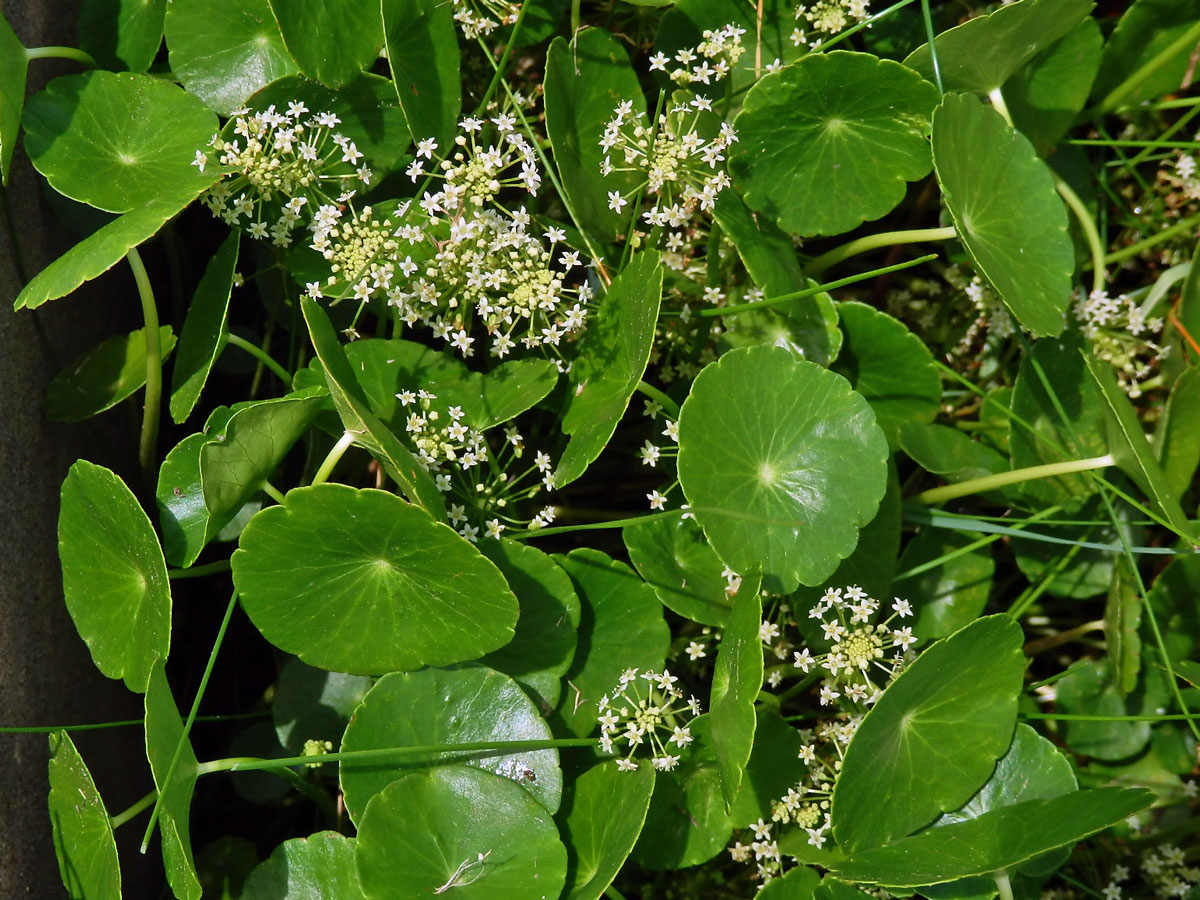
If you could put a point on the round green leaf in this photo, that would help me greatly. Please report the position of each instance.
(675, 559)
(167, 744)
(601, 817)
(106, 375)
(687, 823)
(83, 837)
(956, 724)
(469, 833)
(889, 365)
(319, 867)
(312, 704)
(331, 40)
(204, 330)
(832, 140)
(612, 358)
(544, 644)
(952, 593)
(422, 49)
(448, 706)
(121, 34)
(1001, 839)
(981, 54)
(14, 67)
(369, 113)
(781, 462)
(182, 515)
(224, 50)
(117, 141)
(620, 627)
(101, 250)
(1006, 211)
(1147, 28)
(396, 592)
(114, 575)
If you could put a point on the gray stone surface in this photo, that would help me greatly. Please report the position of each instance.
(46, 675)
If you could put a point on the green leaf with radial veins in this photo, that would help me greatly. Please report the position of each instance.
(997, 840)
(105, 376)
(585, 81)
(782, 464)
(318, 867)
(620, 627)
(14, 67)
(1006, 211)
(396, 592)
(422, 49)
(331, 40)
(83, 836)
(675, 559)
(116, 140)
(737, 680)
(983, 53)
(356, 415)
(468, 704)
(164, 733)
(102, 249)
(930, 721)
(832, 141)
(613, 353)
(114, 575)
(204, 329)
(121, 34)
(601, 817)
(369, 113)
(1129, 447)
(224, 50)
(251, 446)
(471, 833)
(889, 365)
(543, 647)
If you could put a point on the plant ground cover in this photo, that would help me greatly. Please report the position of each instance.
(636, 449)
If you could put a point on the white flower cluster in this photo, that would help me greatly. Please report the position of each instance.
(708, 62)
(828, 17)
(284, 165)
(479, 18)
(647, 709)
(1121, 333)
(473, 173)
(857, 647)
(1185, 172)
(680, 169)
(1167, 871)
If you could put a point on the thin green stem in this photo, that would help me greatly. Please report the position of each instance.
(591, 526)
(1145, 244)
(331, 460)
(1164, 145)
(1090, 233)
(713, 312)
(612, 893)
(123, 723)
(502, 66)
(1081, 717)
(187, 726)
(575, 17)
(1003, 479)
(213, 568)
(1114, 97)
(262, 356)
(125, 815)
(817, 266)
(476, 748)
(671, 407)
(273, 492)
(927, 18)
(1003, 886)
(74, 53)
(150, 414)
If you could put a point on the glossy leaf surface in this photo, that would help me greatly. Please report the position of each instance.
(832, 140)
(675, 559)
(83, 836)
(422, 48)
(765, 442)
(367, 600)
(204, 329)
(737, 680)
(108, 374)
(331, 40)
(114, 576)
(13, 71)
(313, 704)
(319, 867)
(121, 34)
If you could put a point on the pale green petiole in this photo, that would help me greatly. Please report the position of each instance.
(1016, 476)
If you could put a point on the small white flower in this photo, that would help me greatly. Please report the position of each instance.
(616, 202)
(657, 500)
(902, 607)
(695, 651)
